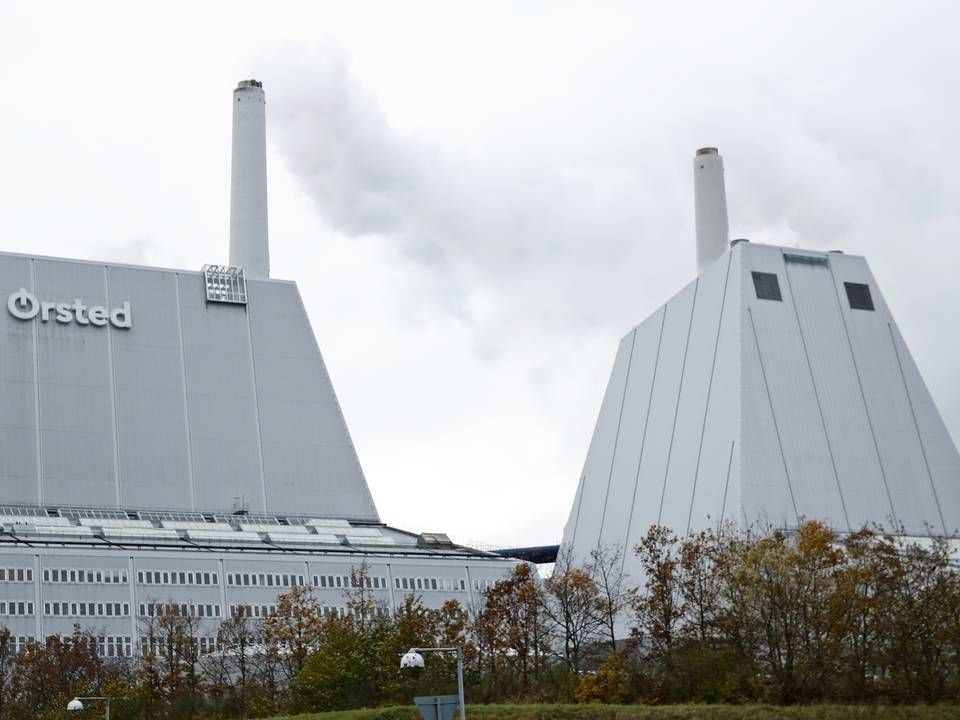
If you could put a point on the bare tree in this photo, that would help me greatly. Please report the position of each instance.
(606, 569)
(571, 600)
(232, 667)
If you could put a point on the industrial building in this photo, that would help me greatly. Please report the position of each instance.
(173, 437)
(774, 388)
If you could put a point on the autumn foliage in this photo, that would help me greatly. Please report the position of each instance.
(730, 617)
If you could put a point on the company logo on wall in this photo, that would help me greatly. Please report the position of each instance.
(24, 305)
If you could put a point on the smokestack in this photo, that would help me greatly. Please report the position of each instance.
(249, 246)
(710, 198)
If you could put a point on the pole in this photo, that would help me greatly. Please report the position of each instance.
(107, 716)
(463, 709)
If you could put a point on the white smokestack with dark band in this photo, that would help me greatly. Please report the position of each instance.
(249, 246)
(710, 196)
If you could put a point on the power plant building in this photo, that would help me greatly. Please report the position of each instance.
(774, 388)
(169, 436)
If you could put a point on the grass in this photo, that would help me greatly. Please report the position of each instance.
(661, 712)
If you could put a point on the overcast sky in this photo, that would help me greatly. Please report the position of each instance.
(479, 200)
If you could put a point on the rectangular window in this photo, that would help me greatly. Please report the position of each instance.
(859, 296)
(766, 286)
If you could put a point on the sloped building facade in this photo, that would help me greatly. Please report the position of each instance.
(774, 388)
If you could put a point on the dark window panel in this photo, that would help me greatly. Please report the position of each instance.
(767, 286)
(859, 296)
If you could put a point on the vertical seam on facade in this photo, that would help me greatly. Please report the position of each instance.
(643, 440)
(706, 407)
(676, 409)
(726, 485)
(38, 598)
(256, 401)
(222, 577)
(863, 397)
(916, 426)
(616, 439)
(579, 498)
(132, 569)
(816, 395)
(186, 395)
(36, 385)
(773, 415)
(113, 393)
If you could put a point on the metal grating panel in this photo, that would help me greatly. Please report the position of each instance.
(225, 284)
(805, 259)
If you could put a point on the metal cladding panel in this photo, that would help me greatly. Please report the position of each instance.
(939, 449)
(716, 482)
(78, 448)
(308, 455)
(696, 383)
(621, 494)
(665, 403)
(915, 505)
(855, 465)
(791, 393)
(221, 401)
(149, 391)
(585, 516)
(19, 474)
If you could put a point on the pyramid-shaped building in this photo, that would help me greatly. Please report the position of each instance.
(774, 388)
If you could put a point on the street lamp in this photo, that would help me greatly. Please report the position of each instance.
(412, 658)
(76, 705)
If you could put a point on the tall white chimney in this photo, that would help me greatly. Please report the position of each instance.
(249, 246)
(710, 196)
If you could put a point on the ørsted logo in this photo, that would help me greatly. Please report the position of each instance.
(24, 305)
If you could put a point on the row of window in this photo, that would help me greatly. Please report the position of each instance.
(264, 580)
(16, 574)
(86, 609)
(19, 642)
(153, 644)
(106, 645)
(429, 584)
(253, 611)
(16, 609)
(484, 584)
(109, 576)
(346, 581)
(114, 646)
(204, 610)
(277, 580)
(164, 577)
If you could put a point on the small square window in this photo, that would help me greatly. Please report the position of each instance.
(766, 286)
(859, 296)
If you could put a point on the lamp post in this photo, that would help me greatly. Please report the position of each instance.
(76, 705)
(413, 659)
